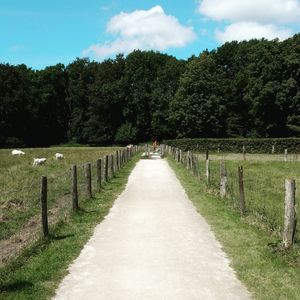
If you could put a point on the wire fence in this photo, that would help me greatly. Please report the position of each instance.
(20, 215)
(263, 185)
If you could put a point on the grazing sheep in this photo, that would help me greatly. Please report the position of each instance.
(58, 156)
(39, 161)
(17, 152)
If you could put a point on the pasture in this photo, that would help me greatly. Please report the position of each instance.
(264, 180)
(20, 182)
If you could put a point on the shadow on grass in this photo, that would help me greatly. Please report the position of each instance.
(81, 210)
(15, 286)
(60, 237)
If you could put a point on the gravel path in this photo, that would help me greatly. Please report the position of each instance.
(152, 245)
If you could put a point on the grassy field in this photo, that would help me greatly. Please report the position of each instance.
(19, 182)
(264, 177)
(268, 271)
(37, 272)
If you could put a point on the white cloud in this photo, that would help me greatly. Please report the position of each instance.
(252, 18)
(143, 29)
(248, 30)
(262, 11)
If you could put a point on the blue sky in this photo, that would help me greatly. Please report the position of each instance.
(45, 32)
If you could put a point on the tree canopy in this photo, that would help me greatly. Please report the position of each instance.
(246, 89)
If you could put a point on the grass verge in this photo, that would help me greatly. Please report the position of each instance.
(37, 272)
(266, 270)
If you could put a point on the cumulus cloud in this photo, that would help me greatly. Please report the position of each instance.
(248, 30)
(143, 29)
(252, 18)
(262, 11)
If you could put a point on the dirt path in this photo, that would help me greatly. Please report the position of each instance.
(152, 245)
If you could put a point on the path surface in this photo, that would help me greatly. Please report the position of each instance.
(152, 245)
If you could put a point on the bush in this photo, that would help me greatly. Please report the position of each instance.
(126, 134)
(253, 145)
(14, 142)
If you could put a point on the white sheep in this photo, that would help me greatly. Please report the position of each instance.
(39, 161)
(17, 152)
(58, 156)
(129, 146)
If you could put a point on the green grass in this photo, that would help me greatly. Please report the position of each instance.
(37, 272)
(266, 270)
(264, 188)
(20, 181)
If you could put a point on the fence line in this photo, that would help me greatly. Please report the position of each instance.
(110, 164)
(67, 186)
(230, 185)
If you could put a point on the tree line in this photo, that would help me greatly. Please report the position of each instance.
(241, 89)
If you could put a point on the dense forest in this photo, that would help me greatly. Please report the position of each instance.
(245, 89)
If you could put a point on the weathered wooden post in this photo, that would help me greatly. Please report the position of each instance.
(191, 162)
(120, 159)
(88, 179)
(180, 156)
(124, 156)
(241, 190)
(273, 149)
(207, 154)
(207, 171)
(187, 159)
(285, 154)
(99, 172)
(74, 187)
(223, 179)
(43, 199)
(290, 219)
(106, 168)
(196, 166)
(112, 166)
(162, 147)
(244, 152)
(117, 160)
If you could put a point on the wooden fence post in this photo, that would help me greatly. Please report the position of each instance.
(106, 168)
(244, 152)
(207, 171)
(289, 213)
(117, 160)
(241, 190)
(273, 149)
(188, 160)
(43, 199)
(99, 172)
(88, 179)
(285, 154)
(120, 158)
(112, 168)
(123, 156)
(207, 154)
(74, 188)
(191, 162)
(223, 179)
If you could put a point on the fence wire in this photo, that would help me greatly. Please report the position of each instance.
(263, 184)
(20, 208)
